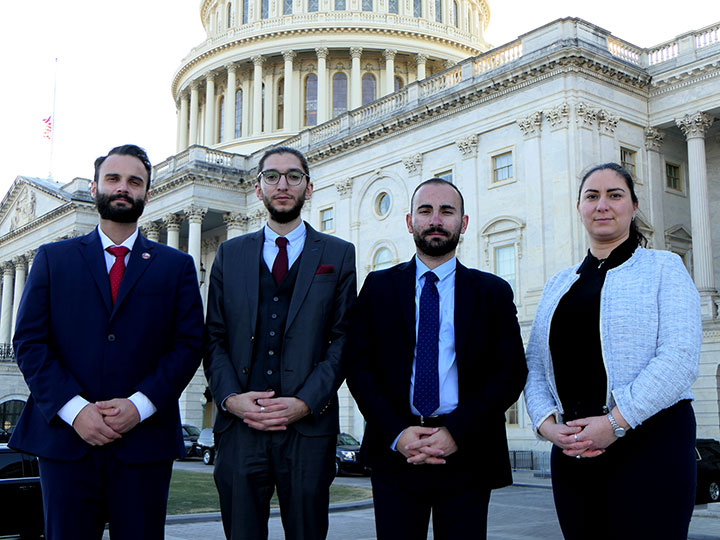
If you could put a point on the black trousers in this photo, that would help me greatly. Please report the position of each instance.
(251, 464)
(643, 486)
(81, 496)
(404, 498)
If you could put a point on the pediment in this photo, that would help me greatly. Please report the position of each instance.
(28, 199)
(678, 232)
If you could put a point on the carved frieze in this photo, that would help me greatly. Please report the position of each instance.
(24, 211)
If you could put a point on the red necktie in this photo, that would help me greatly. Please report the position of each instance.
(280, 266)
(118, 268)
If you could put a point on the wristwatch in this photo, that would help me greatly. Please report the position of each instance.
(619, 432)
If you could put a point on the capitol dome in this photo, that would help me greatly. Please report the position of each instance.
(271, 68)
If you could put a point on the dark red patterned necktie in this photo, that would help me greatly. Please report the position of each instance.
(118, 268)
(280, 266)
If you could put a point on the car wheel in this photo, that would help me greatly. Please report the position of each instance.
(208, 457)
(714, 491)
(337, 468)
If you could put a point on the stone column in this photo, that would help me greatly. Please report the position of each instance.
(210, 135)
(421, 61)
(389, 55)
(288, 90)
(230, 102)
(257, 95)
(195, 216)
(343, 210)
(194, 113)
(246, 105)
(656, 184)
(322, 92)
(182, 141)
(234, 223)
(172, 224)
(7, 302)
(694, 127)
(20, 274)
(355, 78)
(151, 231)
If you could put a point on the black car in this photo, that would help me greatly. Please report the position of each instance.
(347, 453)
(708, 471)
(190, 437)
(21, 511)
(206, 446)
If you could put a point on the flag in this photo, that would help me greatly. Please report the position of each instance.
(47, 132)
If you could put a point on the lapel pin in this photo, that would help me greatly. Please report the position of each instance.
(146, 255)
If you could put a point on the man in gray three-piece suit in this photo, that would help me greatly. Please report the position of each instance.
(276, 326)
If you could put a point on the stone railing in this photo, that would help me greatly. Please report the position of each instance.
(200, 156)
(625, 50)
(497, 57)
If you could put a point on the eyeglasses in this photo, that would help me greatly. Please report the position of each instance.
(294, 177)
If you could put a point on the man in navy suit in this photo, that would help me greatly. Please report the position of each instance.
(435, 360)
(109, 333)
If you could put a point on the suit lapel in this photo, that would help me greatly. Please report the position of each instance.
(309, 261)
(251, 273)
(404, 285)
(464, 300)
(141, 257)
(92, 251)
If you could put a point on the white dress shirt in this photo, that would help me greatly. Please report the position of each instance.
(296, 242)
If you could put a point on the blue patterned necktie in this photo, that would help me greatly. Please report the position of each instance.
(426, 396)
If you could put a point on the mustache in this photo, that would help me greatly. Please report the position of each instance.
(120, 196)
(433, 230)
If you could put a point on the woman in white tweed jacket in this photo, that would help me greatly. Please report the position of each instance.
(613, 352)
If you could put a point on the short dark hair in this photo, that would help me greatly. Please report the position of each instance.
(285, 150)
(440, 181)
(638, 237)
(125, 150)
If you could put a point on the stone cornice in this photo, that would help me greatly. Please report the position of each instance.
(677, 81)
(40, 222)
(195, 177)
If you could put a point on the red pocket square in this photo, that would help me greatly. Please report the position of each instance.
(324, 269)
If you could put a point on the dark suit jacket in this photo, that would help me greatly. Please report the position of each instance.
(70, 340)
(315, 332)
(490, 362)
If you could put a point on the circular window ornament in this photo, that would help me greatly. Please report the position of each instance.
(382, 204)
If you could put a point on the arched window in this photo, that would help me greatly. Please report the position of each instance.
(368, 88)
(238, 113)
(310, 116)
(438, 10)
(221, 119)
(339, 5)
(229, 15)
(280, 103)
(383, 258)
(245, 11)
(339, 98)
(455, 14)
(398, 83)
(287, 7)
(10, 413)
(417, 8)
(312, 5)
(393, 6)
(264, 9)
(367, 5)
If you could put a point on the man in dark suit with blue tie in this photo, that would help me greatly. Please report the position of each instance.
(275, 332)
(109, 333)
(435, 358)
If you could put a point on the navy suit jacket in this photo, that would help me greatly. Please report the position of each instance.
(70, 340)
(490, 362)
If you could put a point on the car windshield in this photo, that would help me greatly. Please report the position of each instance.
(347, 440)
(192, 430)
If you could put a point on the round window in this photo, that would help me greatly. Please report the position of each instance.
(382, 203)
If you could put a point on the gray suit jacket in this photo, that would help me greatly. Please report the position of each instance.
(315, 331)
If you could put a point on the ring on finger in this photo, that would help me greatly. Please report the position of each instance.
(262, 409)
(576, 439)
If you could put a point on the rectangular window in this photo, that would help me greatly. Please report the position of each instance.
(393, 6)
(312, 6)
(287, 7)
(245, 11)
(502, 167)
(445, 175)
(438, 11)
(327, 219)
(417, 8)
(505, 265)
(339, 5)
(628, 159)
(367, 5)
(673, 178)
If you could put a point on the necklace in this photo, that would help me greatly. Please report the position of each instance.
(601, 262)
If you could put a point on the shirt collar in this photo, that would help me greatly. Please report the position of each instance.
(443, 271)
(106, 242)
(294, 236)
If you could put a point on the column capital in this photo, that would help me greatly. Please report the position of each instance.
(449, 63)
(289, 55)
(151, 230)
(195, 214)
(344, 187)
(322, 52)
(230, 67)
(421, 59)
(531, 124)
(694, 125)
(257, 217)
(210, 76)
(258, 60)
(355, 52)
(558, 116)
(20, 262)
(8, 268)
(235, 220)
(468, 145)
(413, 163)
(653, 138)
(389, 54)
(194, 85)
(172, 221)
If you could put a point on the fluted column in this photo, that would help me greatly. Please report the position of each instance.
(421, 61)
(210, 136)
(172, 224)
(195, 216)
(20, 274)
(389, 55)
(6, 305)
(257, 94)
(656, 183)
(322, 93)
(694, 127)
(182, 141)
(355, 79)
(288, 90)
(151, 231)
(194, 113)
(230, 102)
(234, 224)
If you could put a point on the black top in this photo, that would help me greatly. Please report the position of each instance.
(575, 345)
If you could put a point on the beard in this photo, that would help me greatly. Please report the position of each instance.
(436, 247)
(283, 216)
(125, 214)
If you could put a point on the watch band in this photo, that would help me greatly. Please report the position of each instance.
(619, 432)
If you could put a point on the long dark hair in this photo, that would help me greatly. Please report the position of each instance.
(638, 237)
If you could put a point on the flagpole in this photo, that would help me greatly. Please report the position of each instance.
(54, 121)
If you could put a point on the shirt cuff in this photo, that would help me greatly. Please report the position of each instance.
(393, 446)
(143, 405)
(222, 403)
(72, 408)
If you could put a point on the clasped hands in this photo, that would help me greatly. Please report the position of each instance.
(264, 412)
(425, 445)
(105, 421)
(584, 437)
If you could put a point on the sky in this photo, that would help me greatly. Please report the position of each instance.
(116, 60)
